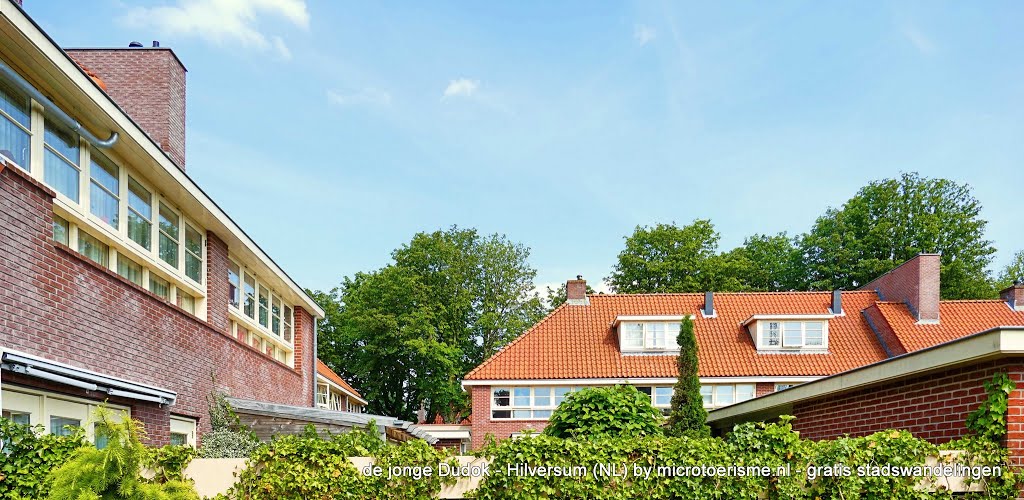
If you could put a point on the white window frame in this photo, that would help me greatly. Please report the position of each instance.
(669, 330)
(41, 405)
(537, 411)
(283, 345)
(186, 426)
(762, 330)
(718, 390)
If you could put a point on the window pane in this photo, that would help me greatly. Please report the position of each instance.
(61, 176)
(193, 268)
(92, 248)
(168, 236)
(501, 397)
(60, 230)
(62, 140)
(671, 335)
(662, 396)
(60, 425)
(521, 414)
(707, 393)
(14, 125)
(632, 335)
(791, 335)
(656, 335)
(129, 269)
(193, 254)
(104, 189)
(186, 302)
(560, 394)
(744, 392)
(724, 395)
(140, 214)
(521, 396)
(813, 333)
(100, 438)
(501, 414)
(193, 240)
(275, 314)
(264, 306)
(179, 439)
(541, 413)
(250, 295)
(160, 287)
(288, 319)
(140, 199)
(233, 284)
(772, 334)
(18, 417)
(542, 396)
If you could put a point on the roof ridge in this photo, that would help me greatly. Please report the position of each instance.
(997, 301)
(516, 340)
(701, 294)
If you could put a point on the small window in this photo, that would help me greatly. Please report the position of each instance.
(63, 426)
(542, 396)
(561, 393)
(61, 157)
(724, 395)
(18, 417)
(140, 214)
(264, 307)
(160, 287)
(129, 269)
(791, 334)
(186, 302)
(275, 315)
(104, 189)
(179, 439)
(15, 126)
(193, 254)
(655, 336)
(772, 334)
(100, 435)
(633, 335)
(521, 396)
(168, 235)
(289, 319)
(93, 249)
(813, 336)
(250, 295)
(233, 282)
(61, 230)
(707, 393)
(745, 392)
(662, 396)
(500, 398)
(782, 387)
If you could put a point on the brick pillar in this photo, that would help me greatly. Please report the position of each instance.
(915, 283)
(217, 283)
(305, 358)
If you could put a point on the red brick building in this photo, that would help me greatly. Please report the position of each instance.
(749, 344)
(120, 279)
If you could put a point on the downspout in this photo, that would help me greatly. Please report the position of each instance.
(313, 364)
(53, 110)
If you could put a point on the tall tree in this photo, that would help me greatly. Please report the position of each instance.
(669, 258)
(890, 221)
(687, 414)
(407, 333)
(768, 263)
(1013, 272)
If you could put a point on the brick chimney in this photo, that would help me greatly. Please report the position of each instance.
(915, 283)
(576, 292)
(1014, 296)
(149, 85)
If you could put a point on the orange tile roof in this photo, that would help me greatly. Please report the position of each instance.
(957, 318)
(575, 342)
(325, 371)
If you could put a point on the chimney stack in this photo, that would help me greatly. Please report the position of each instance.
(837, 302)
(149, 85)
(1014, 296)
(576, 292)
(915, 283)
(709, 305)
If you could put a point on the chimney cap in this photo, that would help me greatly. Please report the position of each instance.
(579, 276)
(134, 44)
(156, 43)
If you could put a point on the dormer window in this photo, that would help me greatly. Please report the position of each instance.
(789, 333)
(648, 334)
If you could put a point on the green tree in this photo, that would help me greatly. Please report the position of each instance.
(669, 258)
(890, 221)
(1013, 272)
(687, 416)
(406, 334)
(557, 297)
(597, 412)
(768, 263)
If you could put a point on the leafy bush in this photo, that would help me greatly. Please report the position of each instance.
(989, 420)
(169, 463)
(229, 438)
(603, 412)
(28, 457)
(114, 472)
(308, 466)
(688, 416)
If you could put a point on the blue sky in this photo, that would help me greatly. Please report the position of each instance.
(565, 124)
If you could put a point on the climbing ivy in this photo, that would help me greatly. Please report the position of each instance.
(29, 454)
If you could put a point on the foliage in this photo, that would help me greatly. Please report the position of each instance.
(669, 258)
(1013, 272)
(406, 334)
(29, 454)
(169, 462)
(890, 221)
(229, 438)
(604, 411)
(688, 415)
(768, 263)
(114, 472)
(300, 467)
(988, 421)
(557, 297)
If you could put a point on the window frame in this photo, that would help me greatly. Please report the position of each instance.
(763, 335)
(27, 129)
(536, 411)
(649, 336)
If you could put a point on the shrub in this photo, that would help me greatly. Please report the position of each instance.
(228, 437)
(688, 416)
(114, 472)
(28, 457)
(597, 412)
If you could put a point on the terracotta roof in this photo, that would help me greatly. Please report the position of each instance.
(325, 371)
(580, 341)
(957, 318)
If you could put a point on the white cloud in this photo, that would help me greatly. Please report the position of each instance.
(366, 96)
(223, 21)
(919, 40)
(643, 34)
(461, 87)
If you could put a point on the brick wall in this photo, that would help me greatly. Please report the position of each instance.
(916, 283)
(764, 388)
(149, 85)
(60, 306)
(1014, 297)
(483, 425)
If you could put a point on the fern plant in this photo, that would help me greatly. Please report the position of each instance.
(114, 472)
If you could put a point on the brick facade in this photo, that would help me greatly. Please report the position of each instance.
(483, 425)
(915, 283)
(60, 306)
(149, 85)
